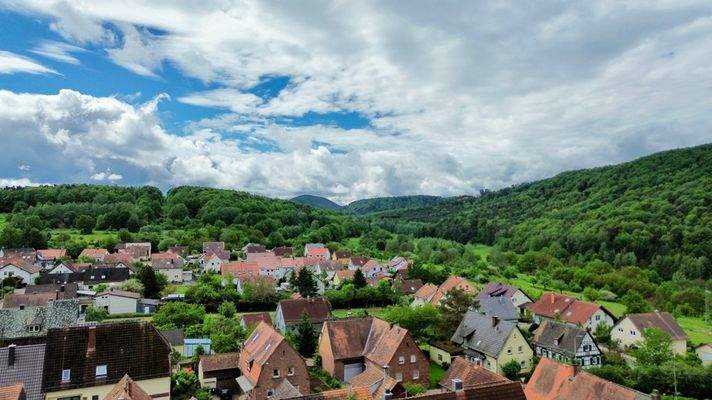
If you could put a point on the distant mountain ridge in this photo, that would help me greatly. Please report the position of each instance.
(368, 206)
(317, 202)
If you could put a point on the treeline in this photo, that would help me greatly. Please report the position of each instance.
(654, 212)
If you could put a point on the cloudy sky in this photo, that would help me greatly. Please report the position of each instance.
(346, 99)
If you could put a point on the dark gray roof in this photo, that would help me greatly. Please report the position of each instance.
(561, 338)
(499, 306)
(174, 336)
(14, 323)
(27, 369)
(479, 332)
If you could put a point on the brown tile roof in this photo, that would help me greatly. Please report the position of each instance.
(94, 253)
(497, 289)
(345, 274)
(470, 374)
(554, 381)
(359, 261)
(283, 251)
(340, 254)
(15, 300)
(318, 309)
(254, 318)
(411, 286)
(450, 283)
(370, 337)
(213, 246)
(567, 308)
(134, 348)
(12, 392)
(357, 393)
(426, 292)
(661, 320)
(257, 350)
(51, 254)
(21, 264)
(120, 293)
(219, 362)
(127, 389)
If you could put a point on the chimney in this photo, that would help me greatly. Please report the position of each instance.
(11, 355)
(655, 395)
(91, 340)
(387, 395)
(385, 371)
(495, 320)
(456, 384)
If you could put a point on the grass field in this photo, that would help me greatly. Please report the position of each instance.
(74, 234)
(697, 329)
(436, 374)
(373, 311)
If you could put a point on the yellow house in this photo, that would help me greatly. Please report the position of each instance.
(443, 352)
(86, 362)
(492, 342)
(630, 330)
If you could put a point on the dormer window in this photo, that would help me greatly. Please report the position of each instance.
(101, 371)
(66, 375)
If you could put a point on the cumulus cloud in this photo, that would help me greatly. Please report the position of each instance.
(21, 182)
(11, 63)
(458, 96)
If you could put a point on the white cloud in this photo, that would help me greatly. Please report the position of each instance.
(459, 96)
(24, 167)
(11, 63)
(58, 51)
(21, 182)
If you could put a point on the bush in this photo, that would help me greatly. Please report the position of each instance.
(95, 314)
(414, 389)
(511, 369)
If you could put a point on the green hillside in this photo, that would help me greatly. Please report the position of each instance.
(378, 204)
(655, 211)
(317, 201)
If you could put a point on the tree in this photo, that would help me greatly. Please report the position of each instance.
(133, 224)
(95, 314)
(422, 321)
(359, 279)
(511, 369)
(85, 224)
(305, 337)
(306, 283)
(132, 285)
(602, 333)
(634, 303)
(178, 212)
(179, 315)
(655, 349)
(227, 309)
(184, 384)
(152, 282)
(453, 308)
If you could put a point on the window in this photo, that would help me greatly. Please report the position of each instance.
(412, 358)
(66, 375)
(522, 362)
(586, 347)
(509, 350)
(519, 349)
(270, 392)
(399, 376)
(440, 357)
(101, 370)
(416, 374)
(401, 360)
(290, 371)
(598, 317)
(275, 373)
(95, 397)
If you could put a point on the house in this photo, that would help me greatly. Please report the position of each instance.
(565, 342)
(342, 276)
(500, 307)
(219, 371)
(251, 248)
(211, 262)
(89, 278)
(175, 338)
(283, 251)
(350, 393)
(410, 286)
(24, 255)
(556, 306)
(94, 254)
(168, 264)
(22, 365)
(147, 306)
(290, 311)
(47, 257)
(127, 389)
(705, 353)
(397, 263)
(137, 251)
(342, 257)
(252, 319)
(357, 262)
(444, 351)
(213, 247)
(372, 269)
(270, 367)
(492, 342)
(116, 301)
(552, 380)
(512, 293)
(191, 345)
(25, 272)
(466, 375)
(349, 346)
(67, 267)
(427, 294)
(320, 253)
(629, 331)
(87, 361)
(34, 322)
(379, 383)
(39, 295)
(120, 260)
(13, 392)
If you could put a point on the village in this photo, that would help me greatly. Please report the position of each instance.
(500, 342)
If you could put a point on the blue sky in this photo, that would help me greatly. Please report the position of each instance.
(345, 100)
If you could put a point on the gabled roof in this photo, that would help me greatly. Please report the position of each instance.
(26, 371)
(255, 318)
(58, 313)
(213, 246)
(317, 252)
(369, 337)
(470, 374)
(498, 289)
(359, 261)
(426, 292)
(356, 393)
(12, 392)
(51, 254)
(257, 350)
(501, 307)
(345, 274)
(134, 348)
(451, 283)
(15, 300)
(318, 309)
(127, 389)
(554, 381)
(174, 336)
(283, 251)
(661, 320)
(23, 265)
(411, 286)
(220, 362)
(94, 253)
(483, 333)
(120, 293)
(567, 308)
(376, 380)
(341, 254)
(562, 338)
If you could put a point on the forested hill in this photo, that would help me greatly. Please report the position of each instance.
(367, 206)
(317, 201)
(655, 210)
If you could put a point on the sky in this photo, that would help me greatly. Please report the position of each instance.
(346, 99)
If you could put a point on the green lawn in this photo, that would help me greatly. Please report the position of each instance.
(93, 237)
(373, 311)
(697, 329)
(482, 250)
(436, 374)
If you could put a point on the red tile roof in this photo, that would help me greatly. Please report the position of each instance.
(127, 389)
(554, 381)
(426, 292)
(51, 254)
(470, 374)
(318, 309)
(257, 350)
(94, 253)
(255, 318)
(567, 308)
(219, 362)
(450, 283)
(12, 392)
